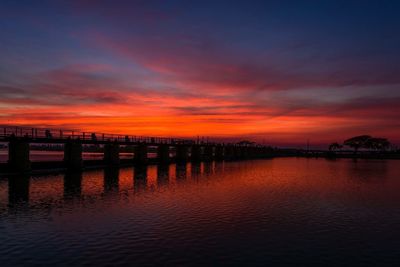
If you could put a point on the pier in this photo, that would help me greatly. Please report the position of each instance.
(19, 140)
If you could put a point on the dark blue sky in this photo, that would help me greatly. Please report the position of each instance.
(277, 70)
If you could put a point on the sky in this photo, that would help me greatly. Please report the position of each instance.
(277, 72)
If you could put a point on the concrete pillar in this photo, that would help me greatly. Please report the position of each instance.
(18, 155)
(111, 154)
(196, 153)
(141, 153)
(229, 153)
(182, 153)
(209, 153)
(244, 152)
(163, 153)
(73, 155)
(219, 152)
(260, 152)
(236, 153)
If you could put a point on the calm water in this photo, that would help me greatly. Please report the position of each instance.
(296, 212)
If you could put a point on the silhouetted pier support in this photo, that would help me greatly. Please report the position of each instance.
(229, 153)
(141, 154)
(237, 152)
(163, 153)
(209, 153)
(18, 155)
(219, 152)
(182, 153)
(196, 153)
(73, 155)
(244, 152)
(111, 154)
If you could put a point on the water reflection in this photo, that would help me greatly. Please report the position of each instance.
(140, 178)
(373, 172)
(195, 170)
(19, 186)
(246, 211)
(180, 171)
(208, 167)
(162, 174)
(72, 185)
(111, 179)
(18, 190)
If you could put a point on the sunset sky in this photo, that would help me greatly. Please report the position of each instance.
(274, 71)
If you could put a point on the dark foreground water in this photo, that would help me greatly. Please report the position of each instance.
(296, 212)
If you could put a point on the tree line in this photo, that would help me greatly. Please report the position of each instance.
(363, 142)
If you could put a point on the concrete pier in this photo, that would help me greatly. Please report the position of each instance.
(229, 153)
(163, 153)
(196, 153)
(244, 152)
(182, 153)
(20, 139)
(237, 152)
(219, 152)
(18, 156)
(209, 153)
(111, 154)
(141, 154)
(73, 155)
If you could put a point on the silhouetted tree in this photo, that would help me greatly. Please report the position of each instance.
(377, 144)
(335, 146)
(357, 142)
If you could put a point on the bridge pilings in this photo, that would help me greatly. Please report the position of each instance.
(229, 153)
(141, 154)
(163, 153)
(18, 155)
(209, 153)
(111, 154)
(219, 152)
(196, 153)
(244, 152)
(73, 155)
(182, 153)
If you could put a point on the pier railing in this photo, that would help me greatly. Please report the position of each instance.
(62, 134)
